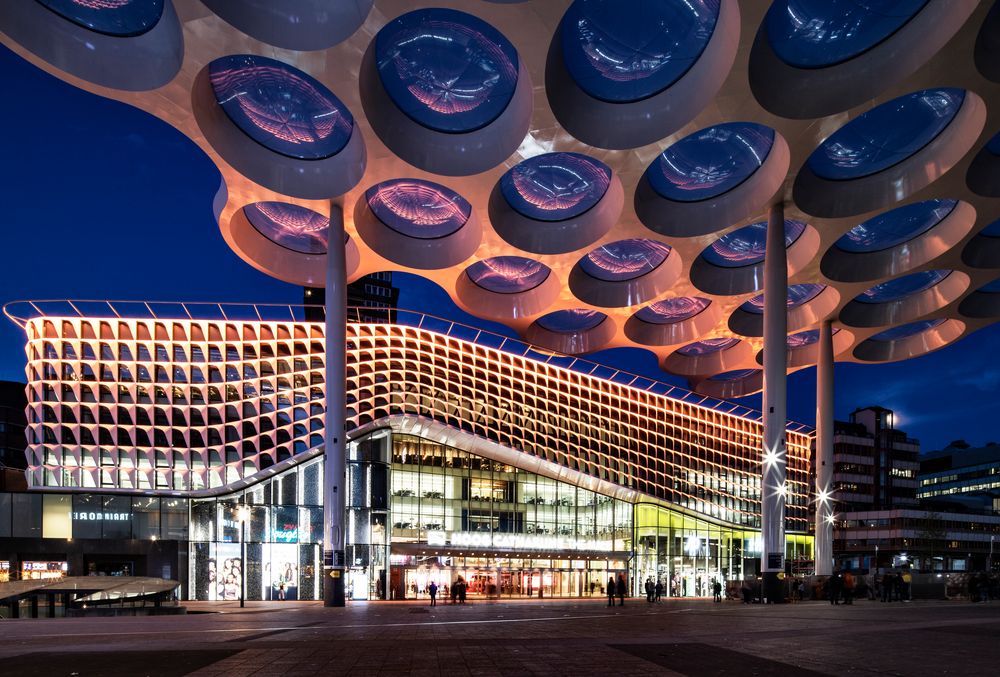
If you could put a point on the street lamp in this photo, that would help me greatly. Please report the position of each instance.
(243, 514)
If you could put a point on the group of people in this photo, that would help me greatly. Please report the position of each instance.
(891, 586)
(458, 591)
(618, 588)
(653, 590)
(983, 587)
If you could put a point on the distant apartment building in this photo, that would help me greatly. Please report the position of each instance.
(373, 296)
(13, 401)
(961, 477)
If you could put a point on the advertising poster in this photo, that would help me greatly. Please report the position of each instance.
(281, 572)
(225, 573)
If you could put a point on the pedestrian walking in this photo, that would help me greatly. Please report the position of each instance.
(433, 590)
(888, 584)
(649, 590)
(849, 583)
(716, 591)
(621, 589)
(612, 589)
(658, 590)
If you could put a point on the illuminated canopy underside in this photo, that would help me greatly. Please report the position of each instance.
(897, 163)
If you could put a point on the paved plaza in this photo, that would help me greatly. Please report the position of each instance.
(558, 637)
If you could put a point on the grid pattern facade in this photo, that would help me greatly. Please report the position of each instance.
(175, 405)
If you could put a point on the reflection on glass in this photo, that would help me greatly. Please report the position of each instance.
(895, 226)
(571, 321)
(820, 33)
(669, 311)
(120, 18)
(991, 287)
(745, 247)
(735, 375)
(806, 338)
(707, 346)
(994, 144)
(417, 208)
(886, 135)
(901, 287)
(291, 226)
(992, 230)
(906, 330)
(710, 162)
(280, 107)
(625, 259)
(555, 186)
(508, 274)
(797, 295)
(623, 56)
(447, 70)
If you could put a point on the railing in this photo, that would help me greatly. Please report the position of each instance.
(20, 312)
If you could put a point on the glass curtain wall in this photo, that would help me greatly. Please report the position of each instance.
(282, 531)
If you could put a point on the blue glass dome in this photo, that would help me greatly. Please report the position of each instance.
(710, 162)
(280, 107)
(806, 338)
(906, 330)
(707, 346)
(992, 230)
(555, 186)
(886, 135)
(735, 375)
(991, 287)
(571, 321)
(625, 259)
(820, 33)
(508, 274)
(993, 145)
(446, 70)
(901, 287)
(418, 208)
(895, 226)
(745, 247)
(624, 56)
(797, 295)
(671, 311)
(293, 227)
(119, 18)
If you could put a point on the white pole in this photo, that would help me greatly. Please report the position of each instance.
(824, 453)
(334, 458)
(772, 486)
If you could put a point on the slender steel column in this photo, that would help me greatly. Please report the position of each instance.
(772, 480)
(824, 452)
(334, 457)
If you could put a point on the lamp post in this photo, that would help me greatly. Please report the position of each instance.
(989, 562)
(242, 514)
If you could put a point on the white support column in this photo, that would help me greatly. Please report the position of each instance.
(772, 481)
(824, 452)
(334, 457)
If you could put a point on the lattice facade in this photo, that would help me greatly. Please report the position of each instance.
(178, 405)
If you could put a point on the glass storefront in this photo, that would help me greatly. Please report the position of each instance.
(266, 538)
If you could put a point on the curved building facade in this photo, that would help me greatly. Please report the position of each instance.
(470, 453)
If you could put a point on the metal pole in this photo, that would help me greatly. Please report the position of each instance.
(772, 484)
(334, 457)
(824, 454)
(243, 555)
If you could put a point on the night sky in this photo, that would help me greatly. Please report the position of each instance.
(102, 201)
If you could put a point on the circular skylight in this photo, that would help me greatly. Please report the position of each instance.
(624, 259)
(418, 208)
(555, 186)
(707, 347)
(797, 295)
(820, 33)
(895, 227)
(886, 135)
(710, 162)
(735, 375)
(508, 274)
(670, 311)
(446, 70)
(993, 145)
(745, 246)
(901, 287)
(904, 331)
(991, 287)
(291, 226)
(992, 230)
(119, 18)
(571, 321)
(622, 56)
(806, 338)
(280, 107)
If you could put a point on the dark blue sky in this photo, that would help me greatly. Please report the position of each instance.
(102, 201)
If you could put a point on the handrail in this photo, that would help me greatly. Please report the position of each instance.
(21, 312)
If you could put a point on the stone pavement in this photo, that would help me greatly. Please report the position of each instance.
(550, 637)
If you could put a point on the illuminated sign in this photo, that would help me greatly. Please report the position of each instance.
(287, 533)
(467, 539)
(84, 516)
